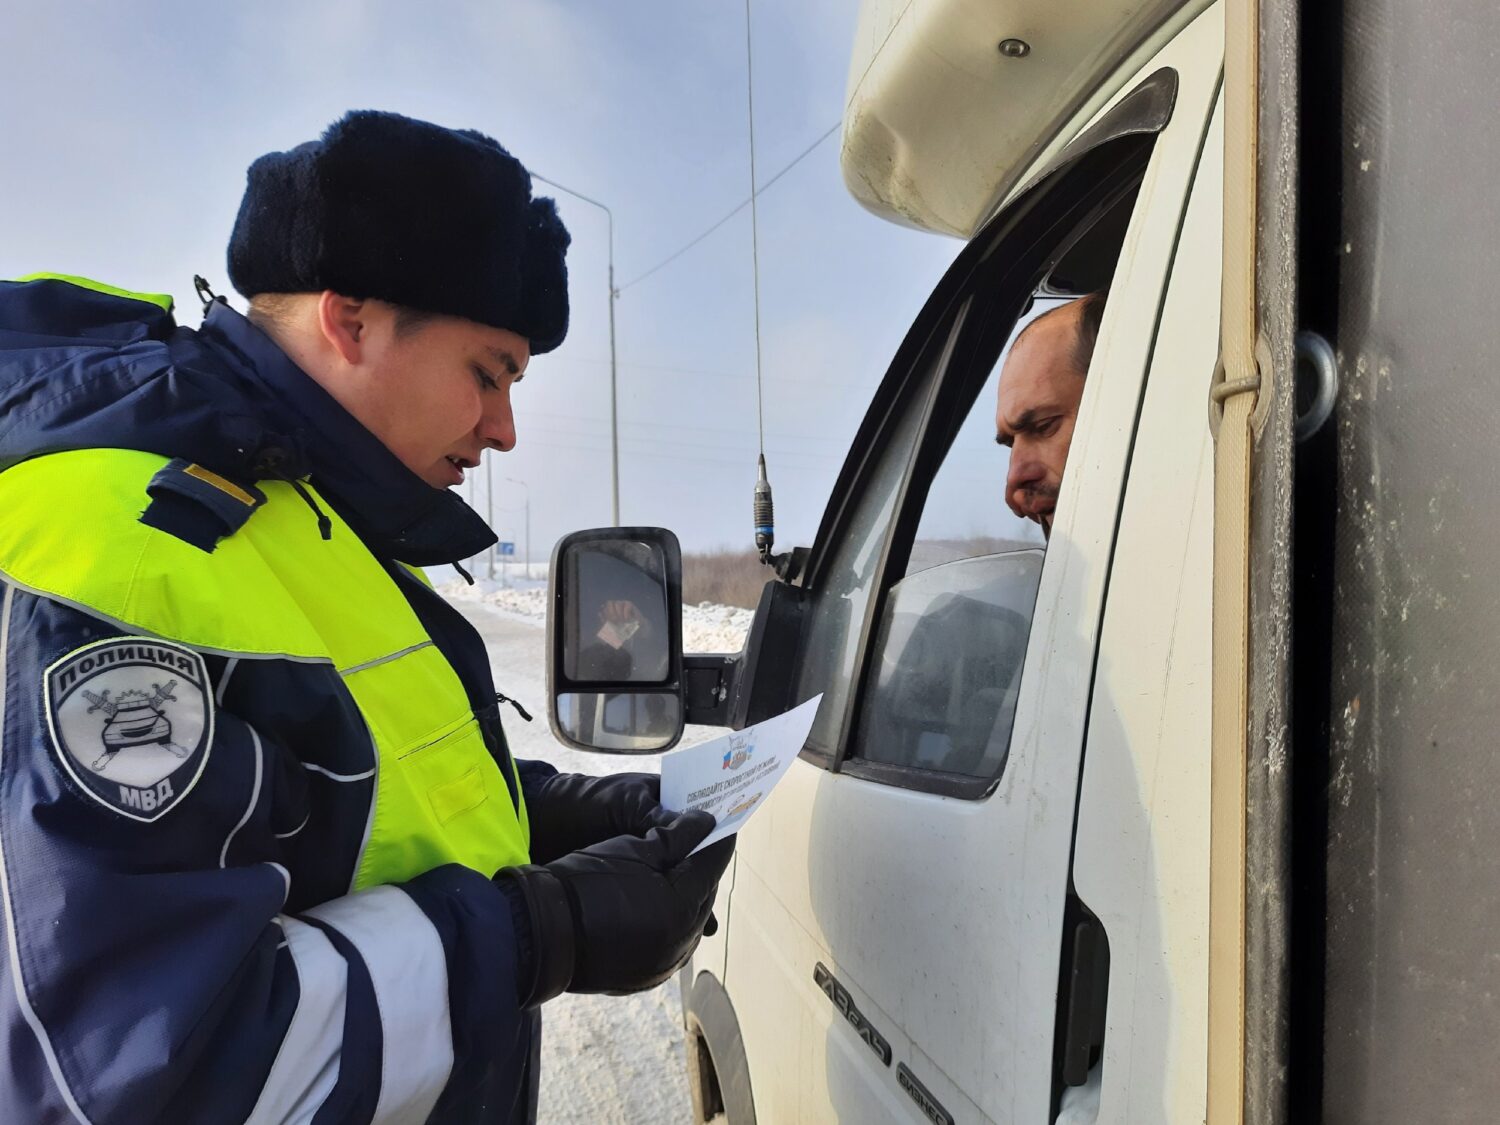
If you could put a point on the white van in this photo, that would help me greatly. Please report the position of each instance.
(1068, 840)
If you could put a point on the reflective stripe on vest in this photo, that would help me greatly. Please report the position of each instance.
(276, 588)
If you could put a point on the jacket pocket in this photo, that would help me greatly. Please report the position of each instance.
(451, 798)
(435, 740)
(451, 769)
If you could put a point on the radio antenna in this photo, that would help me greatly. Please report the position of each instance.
(763, 507)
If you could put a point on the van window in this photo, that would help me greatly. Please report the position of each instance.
(952, 635)
(838, 622)
(965, 514)
(921, 584)
(945, 664)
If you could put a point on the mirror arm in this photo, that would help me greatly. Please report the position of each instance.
(789, 567)
(765, 685)
(709, 680)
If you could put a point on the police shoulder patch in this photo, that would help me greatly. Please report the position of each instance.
(132, 721)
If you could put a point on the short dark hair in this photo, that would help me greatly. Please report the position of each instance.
(409, 320)
(269, 311)
(1090, 315)
(273, 311)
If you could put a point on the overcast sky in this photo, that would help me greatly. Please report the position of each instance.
(128, 128)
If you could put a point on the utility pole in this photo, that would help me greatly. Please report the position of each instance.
(614, 410)
(489, 501)
(523, 484)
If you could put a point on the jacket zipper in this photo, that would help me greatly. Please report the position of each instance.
(499, 698)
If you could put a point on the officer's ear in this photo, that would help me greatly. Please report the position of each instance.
(343, 322)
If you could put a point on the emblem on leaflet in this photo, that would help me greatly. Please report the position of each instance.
(740, 751)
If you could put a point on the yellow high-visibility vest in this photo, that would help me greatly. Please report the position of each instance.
(275, 588)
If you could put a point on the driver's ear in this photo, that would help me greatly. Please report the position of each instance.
(342, 321)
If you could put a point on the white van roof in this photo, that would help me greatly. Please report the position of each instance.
(950, 101)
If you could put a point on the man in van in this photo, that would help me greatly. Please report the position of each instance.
(1040, 388)
(264, 852)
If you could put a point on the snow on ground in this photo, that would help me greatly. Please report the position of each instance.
(606, 1060)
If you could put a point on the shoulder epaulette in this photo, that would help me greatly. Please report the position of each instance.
(198, 505)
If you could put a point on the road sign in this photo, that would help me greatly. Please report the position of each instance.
(507, 549)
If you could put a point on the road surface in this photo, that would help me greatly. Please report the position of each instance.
(605, 1059)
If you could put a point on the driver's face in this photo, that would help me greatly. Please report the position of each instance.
(1036, 408)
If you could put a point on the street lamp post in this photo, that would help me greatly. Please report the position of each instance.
(614, 295)
(489, 503)
(523, 484)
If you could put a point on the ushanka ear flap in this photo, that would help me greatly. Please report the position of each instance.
(281, 196)
(544, 278)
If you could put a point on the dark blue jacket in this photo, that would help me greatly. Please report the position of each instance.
(152, 973)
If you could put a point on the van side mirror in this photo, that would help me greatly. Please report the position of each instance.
(614, 640)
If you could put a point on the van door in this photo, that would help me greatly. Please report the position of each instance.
(1141, 854)
(899, 906)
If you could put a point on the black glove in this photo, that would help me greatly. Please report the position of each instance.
(623, 915)
(571, 811)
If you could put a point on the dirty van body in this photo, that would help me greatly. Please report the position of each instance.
(1183, 813)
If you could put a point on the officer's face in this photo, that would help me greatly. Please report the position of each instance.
(442, 393)
(1040, 389)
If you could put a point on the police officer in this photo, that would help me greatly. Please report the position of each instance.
(264, 854)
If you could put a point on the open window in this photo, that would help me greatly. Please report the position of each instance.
(945, 665)
(924, 578)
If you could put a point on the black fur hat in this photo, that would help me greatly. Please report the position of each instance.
(408, 212)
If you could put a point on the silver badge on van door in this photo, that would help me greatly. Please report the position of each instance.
(131, 721)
